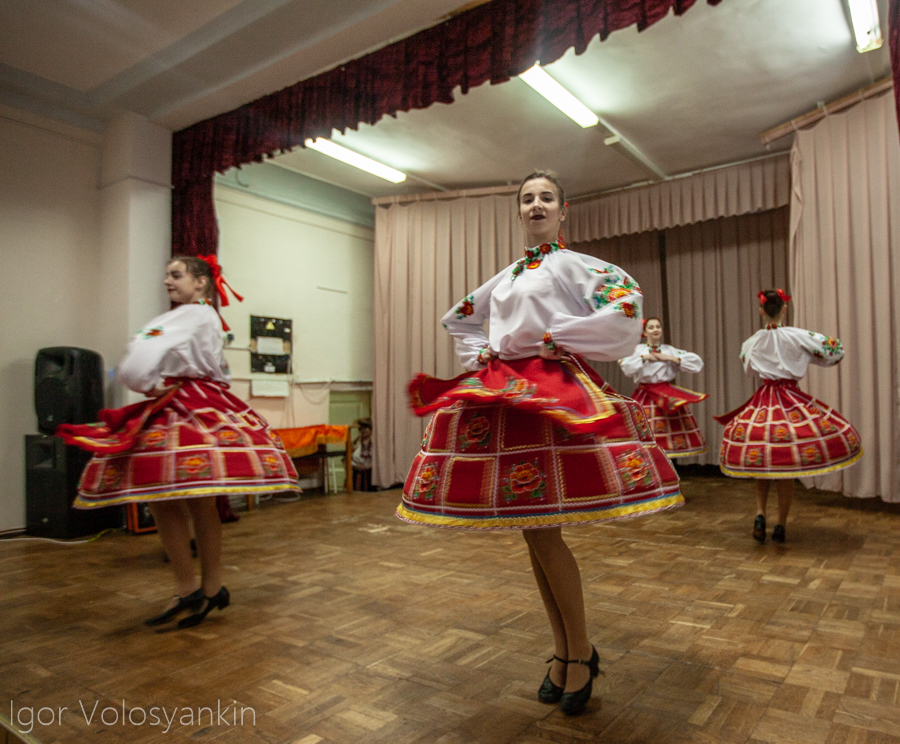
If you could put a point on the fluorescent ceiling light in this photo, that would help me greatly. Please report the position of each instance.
(327, 147)
(866, 28)
(559, 96)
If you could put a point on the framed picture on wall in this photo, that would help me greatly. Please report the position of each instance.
(270, 344)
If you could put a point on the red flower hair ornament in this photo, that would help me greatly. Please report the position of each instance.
(785, 297)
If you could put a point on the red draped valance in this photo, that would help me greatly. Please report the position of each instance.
(493, 42)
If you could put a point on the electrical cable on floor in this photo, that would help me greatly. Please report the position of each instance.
(91, 539)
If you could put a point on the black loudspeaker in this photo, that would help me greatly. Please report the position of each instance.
(52, 472)
(68, 387)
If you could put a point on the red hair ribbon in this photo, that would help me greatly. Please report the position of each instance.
(784, 296)
(219, 280)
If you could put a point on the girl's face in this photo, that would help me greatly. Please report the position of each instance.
(540, 211)
(182, 286)
(653, 332)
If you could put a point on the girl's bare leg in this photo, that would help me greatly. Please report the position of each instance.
(564, 581)
(171, 519)
(208, 534)
(785, 498)
(557, 668)
(762, 495)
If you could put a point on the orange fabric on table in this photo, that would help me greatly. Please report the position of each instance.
(305, 440)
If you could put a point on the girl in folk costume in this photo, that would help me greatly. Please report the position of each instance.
(528, 439)
(781, 432)
(653, 366)
(191, 441)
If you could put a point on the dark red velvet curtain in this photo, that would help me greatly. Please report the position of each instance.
(493, 42)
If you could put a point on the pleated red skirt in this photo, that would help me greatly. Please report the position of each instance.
(196, 440)
(532, 443)
(671, 421)
(782, 432)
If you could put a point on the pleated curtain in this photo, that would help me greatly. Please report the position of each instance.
(714, 270)
(845, 263)
(428, 256)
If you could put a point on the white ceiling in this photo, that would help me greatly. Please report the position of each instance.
(689, 92)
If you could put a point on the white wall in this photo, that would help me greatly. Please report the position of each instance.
(49, 261)
(278, 257)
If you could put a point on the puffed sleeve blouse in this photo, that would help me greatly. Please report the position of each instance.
(552, 296)
(779, 352)
(184, 342)
(642, 370)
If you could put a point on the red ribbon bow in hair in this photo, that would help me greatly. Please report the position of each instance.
(785, 297)
(213, 262)
(219, 280)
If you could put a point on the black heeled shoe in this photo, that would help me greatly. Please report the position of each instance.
(221, 600)
(548, 691)
(574, 703)
(759, 529)
(778, 533)
(190, 602)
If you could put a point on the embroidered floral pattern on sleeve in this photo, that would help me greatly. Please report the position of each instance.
(151, 332)
(465, 308)
(610, 292)
(830, 347)
(630, 309)
(549, 342)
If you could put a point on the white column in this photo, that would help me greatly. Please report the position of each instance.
(135, 235)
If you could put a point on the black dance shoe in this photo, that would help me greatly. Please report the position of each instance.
(221, 600)
(759, 529)
(549, 692)
(190, 602)
(778, 533)
(574, 703)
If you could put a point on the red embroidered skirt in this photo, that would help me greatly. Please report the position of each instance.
(782, 432)
(196, 440)
(671, 421)
(532, 443)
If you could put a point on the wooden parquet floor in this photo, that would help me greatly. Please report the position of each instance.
(348, 626)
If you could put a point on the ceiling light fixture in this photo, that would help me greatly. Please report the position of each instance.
(338, 152)
(538, 79)
(866, 27)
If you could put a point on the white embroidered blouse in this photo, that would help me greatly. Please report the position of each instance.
(184, 342)
(779, 352)
(552, 296)
(642, 370)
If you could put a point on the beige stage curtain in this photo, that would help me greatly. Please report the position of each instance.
(845, 269)
(714, 270)
(730, 191)
(428, 256)
(638, 255)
